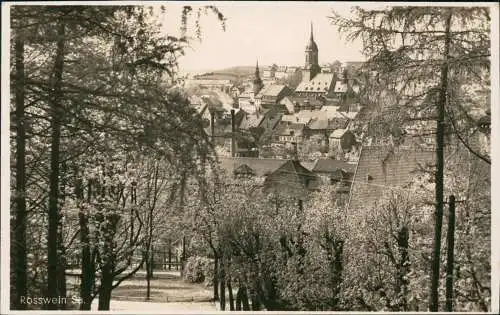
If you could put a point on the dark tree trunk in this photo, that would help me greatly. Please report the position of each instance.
(239, 301)
(337, 268)
(55, 125)
(87, 277)
(433, 303)
(216, 277)
(61, 266)
(256, 303)
(169, 254)
(230, 289)
(18, 244)
(450, 255)
(105, 288)
(222, 288)
(148, 275)
(403, 239)
(244, 298)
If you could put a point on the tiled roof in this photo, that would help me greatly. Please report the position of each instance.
(319, 124)
(251, 120)
(271, 90)
(291, 176)
(331, 165)
(320, 83)
(288, 104)
(387, 167)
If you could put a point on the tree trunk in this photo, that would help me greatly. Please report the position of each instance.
(183, 257)
(169, 254)
(244, 297)
(450, 255)
(222, 288)
(256, 304)
(239, 299)
(216, 277)
(55, 126)
(87, 276)
(105, 288)
(435, 276)
(148, 275)
(18, 244)
(230, 289)
(403, 245)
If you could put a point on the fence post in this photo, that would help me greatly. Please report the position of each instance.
(450, 255)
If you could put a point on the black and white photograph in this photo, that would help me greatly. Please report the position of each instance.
(175, 157)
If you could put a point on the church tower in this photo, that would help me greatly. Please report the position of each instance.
(311, 67)
(257, 82)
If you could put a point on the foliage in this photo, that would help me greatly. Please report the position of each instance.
(198, 270)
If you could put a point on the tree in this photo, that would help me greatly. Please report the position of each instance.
(18, 243)
(95, 75)
(420, 55)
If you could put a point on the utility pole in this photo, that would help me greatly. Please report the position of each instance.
(450, 255)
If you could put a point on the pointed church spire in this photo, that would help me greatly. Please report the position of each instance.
(257, 82)
(312, 36)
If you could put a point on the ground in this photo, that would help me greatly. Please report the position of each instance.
(169, 293)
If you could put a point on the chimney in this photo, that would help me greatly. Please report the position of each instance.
(295, 151)
(233, 135)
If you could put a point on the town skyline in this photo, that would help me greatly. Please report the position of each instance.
(256, 33)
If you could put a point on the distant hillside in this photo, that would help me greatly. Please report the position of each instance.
(233, 73)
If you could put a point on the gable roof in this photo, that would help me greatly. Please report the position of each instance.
(272, 90)
(244, 169)
(331, 165)
(288, 104)
(291, 175)
(321, 83)
(319, 124)
(251, 120)
(387, 167)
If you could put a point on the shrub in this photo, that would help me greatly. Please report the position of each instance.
(198, 269)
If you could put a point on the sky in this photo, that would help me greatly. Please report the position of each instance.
(270, 32)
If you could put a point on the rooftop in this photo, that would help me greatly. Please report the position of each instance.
(261, 167)
(381, 168)
(320, 83)
(331, 165)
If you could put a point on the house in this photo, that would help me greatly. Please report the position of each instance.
(257, 167)
(290, 133)
(291, 179)
(335, 172)
(381, 168)
(289, 105)
(325, 126)
(273, 94)
(341, 140)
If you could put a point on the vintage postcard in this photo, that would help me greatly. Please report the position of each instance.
(211, 157)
